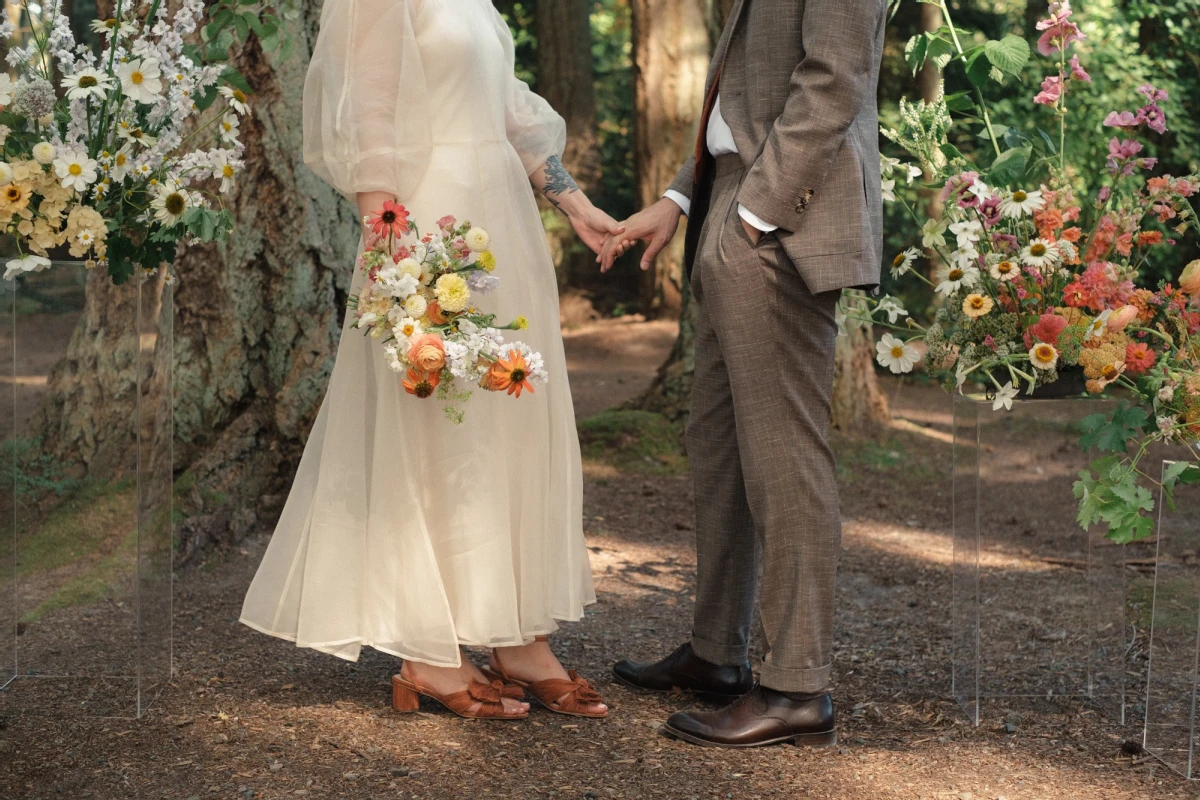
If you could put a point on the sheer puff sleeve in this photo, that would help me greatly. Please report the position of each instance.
(535, 130)
(363, 128)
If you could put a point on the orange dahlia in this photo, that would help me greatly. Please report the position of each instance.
(510, 376)
(421, 384)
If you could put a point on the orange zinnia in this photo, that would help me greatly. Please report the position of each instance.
(511, 375)
(421, 384)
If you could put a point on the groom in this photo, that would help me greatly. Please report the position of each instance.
(783, 205)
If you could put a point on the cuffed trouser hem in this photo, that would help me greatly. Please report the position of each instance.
(719, 654)
(795, 680)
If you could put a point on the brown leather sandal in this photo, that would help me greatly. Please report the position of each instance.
(570, 697)
(406, 699)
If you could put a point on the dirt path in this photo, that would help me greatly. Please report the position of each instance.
(251, 717)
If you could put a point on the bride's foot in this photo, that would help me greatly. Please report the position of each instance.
(535, 668)
(443, 682)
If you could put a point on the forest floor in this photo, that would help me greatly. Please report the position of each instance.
(247, 716)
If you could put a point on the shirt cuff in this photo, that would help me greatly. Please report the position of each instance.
(680, 200)
(750, 217)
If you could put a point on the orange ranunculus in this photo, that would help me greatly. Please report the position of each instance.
(434, 312)
(421, 384)
(511, 376)
(427, 353)
(1120, 319)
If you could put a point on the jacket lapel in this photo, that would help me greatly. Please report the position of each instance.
(722, 48)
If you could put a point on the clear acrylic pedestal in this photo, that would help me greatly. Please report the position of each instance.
(1038, 605)
(1171, 732)
(85, 492)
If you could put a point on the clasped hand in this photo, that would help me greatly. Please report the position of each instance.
(656, 226)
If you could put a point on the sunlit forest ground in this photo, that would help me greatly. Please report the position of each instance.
(251, 717)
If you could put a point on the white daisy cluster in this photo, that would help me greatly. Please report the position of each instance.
(123, 140)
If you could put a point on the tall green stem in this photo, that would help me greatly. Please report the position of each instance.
(983, 110)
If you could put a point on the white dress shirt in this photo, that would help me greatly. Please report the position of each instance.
(720, 142)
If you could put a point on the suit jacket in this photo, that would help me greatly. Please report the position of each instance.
(798, 86)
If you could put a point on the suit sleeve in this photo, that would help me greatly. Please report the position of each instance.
(684, 179)
(829, 89)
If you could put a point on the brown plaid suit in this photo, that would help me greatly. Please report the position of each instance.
(797, 84)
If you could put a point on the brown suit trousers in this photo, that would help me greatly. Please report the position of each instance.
(797, 83)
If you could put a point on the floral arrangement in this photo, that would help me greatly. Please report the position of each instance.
(102, 152)
(417, 298)
(1036, 283)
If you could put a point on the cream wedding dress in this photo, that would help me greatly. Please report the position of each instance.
(403, 531)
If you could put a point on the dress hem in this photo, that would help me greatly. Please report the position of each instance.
(327, 647)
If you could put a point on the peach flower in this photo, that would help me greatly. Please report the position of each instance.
(1189, 281)
(1122, 317)
(427, 353)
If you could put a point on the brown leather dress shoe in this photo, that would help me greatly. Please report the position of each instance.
(686, 671)
(760, 718)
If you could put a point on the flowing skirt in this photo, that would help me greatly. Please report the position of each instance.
(413, 535)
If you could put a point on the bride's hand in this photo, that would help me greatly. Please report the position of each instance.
(594, 227)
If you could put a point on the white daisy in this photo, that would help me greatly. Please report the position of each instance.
(1020, 203)
(896, 354)
(477, 240)
(26, 263)
(6, 89)
(121, 164)
(86, 238)
(6, 173)
(45, 153)
(1043, 356)
(952, 278)
(224, 170)
(141, 79)
(1004, 397)
(236, 99)
(891, 306)
(107, 27)
(88, 82)
(170, 202)
(1004, 270)
(227, 128)
(407, 328)
(76, 170)
(132, 133)
(902, 263)
(142, 171)
(1040, 253)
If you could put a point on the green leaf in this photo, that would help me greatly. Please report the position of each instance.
(1009, 55)
(960, 102)
(1112, 435)
(1009, 167)
(979, 69)
(204, 101)
(236, 79)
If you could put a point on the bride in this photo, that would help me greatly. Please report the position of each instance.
(404, 532)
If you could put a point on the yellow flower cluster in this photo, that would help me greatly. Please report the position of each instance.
(84, 229)
(486, 261)
(453, 294)
(1099, 360)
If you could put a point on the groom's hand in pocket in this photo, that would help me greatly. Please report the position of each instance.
(754, 233)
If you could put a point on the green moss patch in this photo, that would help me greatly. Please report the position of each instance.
(634, 441)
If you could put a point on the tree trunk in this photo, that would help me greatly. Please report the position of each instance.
(565, 80)
(257, 324)
(671, 52)
(858, 405)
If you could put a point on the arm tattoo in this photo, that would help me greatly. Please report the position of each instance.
(558, 180)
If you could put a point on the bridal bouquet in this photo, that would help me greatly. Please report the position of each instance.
(1037, 282)
(417, 299)
(101, 151)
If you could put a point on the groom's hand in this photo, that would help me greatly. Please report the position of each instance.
(655, 225)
